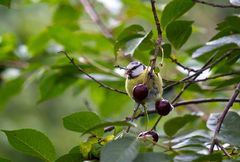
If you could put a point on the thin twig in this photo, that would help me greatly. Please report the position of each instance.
(156, 123)
(214, 77)
(91, 77)
(159, 39)
(95, 18)
(216, 5)
(222, 117)
(194, 101)
(158, 45)
(133, 115)
(202, 100)
(208, 65)
(223, 149)
(181, 65)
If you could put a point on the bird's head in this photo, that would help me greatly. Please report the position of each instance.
(134, 69)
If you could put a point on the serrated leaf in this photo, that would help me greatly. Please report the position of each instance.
(106, 124)
(174, 10)
(229, 131)
(130, 39)
(31, 142)
(83, 121)
(152, 156)
(172, 126)
(6, 3)
(73, 157)
(124, 149)
(210, 46)
(178, 32)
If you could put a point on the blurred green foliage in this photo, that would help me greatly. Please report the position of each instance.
(41, 90)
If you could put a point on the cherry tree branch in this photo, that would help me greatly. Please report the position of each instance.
(96, 19)
(223, 115)
(216, 5)
(159, 39)
(181, 65)
(188, 102)
(91, 77)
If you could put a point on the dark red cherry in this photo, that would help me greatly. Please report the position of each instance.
(140, 92)
(152, 135)
(163, 107)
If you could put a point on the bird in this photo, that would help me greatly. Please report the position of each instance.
(139, 74)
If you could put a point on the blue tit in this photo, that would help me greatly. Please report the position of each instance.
(137, 73)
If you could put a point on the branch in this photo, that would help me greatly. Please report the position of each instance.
(182, 66)
(222, 117)
(96, 19)
(214, 77)
(188, 102)
(216, 5)
(223, 149)
(159, 39)
(205, 67)
(208, 65)
(91, 77)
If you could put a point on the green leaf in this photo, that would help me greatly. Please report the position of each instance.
(172, 126)
(106, 124)
(7, 45)
(231, 25)
(67, 16)
(174, 10)
(4, 160)
(210, 46)
(55, 84)
(65, 37)
(229, 131)
(167, 49)
(38, 43)
(83, 121)
(130, 39)
(178, 32)
(10, 89)
(74, 157)
(215, 157)
(152, 156)
(120, 150)
(6, 3)
(31, 142)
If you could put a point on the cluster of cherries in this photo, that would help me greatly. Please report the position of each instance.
(162, 107)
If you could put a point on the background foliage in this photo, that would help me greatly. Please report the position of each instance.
(49, 108)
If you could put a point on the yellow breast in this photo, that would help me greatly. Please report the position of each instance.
(154, 85)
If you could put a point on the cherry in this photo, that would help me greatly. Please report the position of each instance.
(163, 107)
(140, 92)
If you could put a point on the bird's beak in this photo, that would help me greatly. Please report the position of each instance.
(128, 71)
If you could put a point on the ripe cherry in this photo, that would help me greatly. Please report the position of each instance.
(163, 107)
(140, 92)
(151, 135)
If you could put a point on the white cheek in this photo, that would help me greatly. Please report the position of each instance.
(137, 71)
